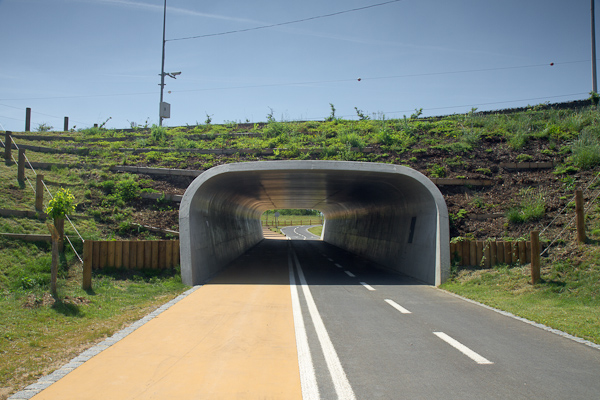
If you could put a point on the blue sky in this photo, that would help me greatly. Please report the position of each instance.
(97, 59)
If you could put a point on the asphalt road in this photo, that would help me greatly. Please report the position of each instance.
(398, 339)
(299, 232)
(304, 319)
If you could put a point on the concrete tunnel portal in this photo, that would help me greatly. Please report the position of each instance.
(389, 214)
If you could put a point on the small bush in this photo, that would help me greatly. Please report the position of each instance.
(532, 207)
(437, 171)
(586, 149)
(158, 134)
(524, 158)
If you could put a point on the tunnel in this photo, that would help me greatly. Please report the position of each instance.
(391, 215)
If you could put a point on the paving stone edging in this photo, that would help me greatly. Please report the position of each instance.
(46, 381)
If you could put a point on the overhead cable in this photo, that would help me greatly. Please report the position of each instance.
(285, 23)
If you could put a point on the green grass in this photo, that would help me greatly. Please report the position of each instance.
(36, 338)
(317, 230)
(291, 220)
(567, 298)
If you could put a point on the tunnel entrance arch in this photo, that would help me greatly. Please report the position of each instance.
(390, 214)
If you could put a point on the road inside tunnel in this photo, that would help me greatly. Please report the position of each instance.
(389, 214)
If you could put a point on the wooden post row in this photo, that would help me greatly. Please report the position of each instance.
(131, 254)
(477, 252)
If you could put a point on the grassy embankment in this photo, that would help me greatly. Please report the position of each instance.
(36, 337)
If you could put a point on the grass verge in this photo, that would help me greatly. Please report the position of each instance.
(567, 297)
(39, 334)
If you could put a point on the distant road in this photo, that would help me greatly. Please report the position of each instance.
(299, 232)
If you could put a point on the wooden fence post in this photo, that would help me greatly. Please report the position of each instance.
(59, 223)
(147, 254)
(66, 125)
(487, 254)
(479, 257)
(535, 257)
(95, 254)
(54, 266)
(28, 119)
(7, 146)
(176, 252)
(579, 210)
(162, 254)
(500, 252)
(119, 254)
(154, 256)
(103, 254)
(111, 254)
(508, 253)
(21, 166)
(523, 253)
(87, 265)
(493, 253)
(472, 253)
(466, 251)
(39, 192)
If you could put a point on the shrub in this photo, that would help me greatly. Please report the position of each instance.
(524, 158)
(586, 149)
(62, 204)
(532, 207)
(352, 139)
(158, 134)
(437, 171)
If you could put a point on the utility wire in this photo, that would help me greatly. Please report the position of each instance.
(359, 79)
(285, 23)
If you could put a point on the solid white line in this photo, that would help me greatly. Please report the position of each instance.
(367, 286)
(308, 379)
(338, 265)
(350, 274)
(338, 376)
(397, 306)
(462, 348)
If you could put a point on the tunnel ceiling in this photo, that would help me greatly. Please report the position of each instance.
(330, 190)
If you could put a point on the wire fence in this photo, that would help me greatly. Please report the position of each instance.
(49, 193)
(595, 194)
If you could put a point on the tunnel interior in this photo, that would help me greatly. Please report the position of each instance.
(389, 214)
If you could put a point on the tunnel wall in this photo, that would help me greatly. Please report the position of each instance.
(213, 232)
(390, 214)
(403, 240)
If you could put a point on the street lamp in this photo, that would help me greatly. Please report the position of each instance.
(164, 108)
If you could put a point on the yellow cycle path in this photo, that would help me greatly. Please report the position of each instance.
(233, 338)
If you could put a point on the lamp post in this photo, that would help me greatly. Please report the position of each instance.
(164, 108)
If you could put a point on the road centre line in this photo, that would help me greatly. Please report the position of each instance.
(308, 379)
(350, 274)
(367, 286)
(329, 259)
(338, 265)
(462, 348)
(397, 306)
(338, 375)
